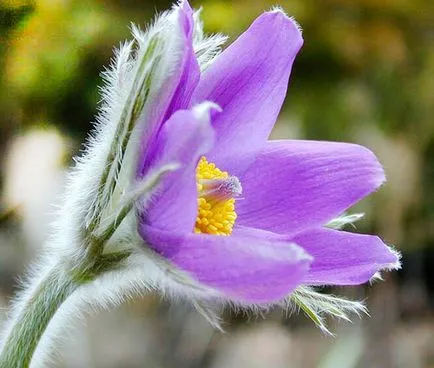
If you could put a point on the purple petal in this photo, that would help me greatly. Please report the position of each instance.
(248, 267)
(182, 80)
(190, 68)
(342, 258)
(296, 185)
(184, 138)
(249, 82)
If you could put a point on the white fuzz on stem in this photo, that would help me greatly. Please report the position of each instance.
(206, 47)
(91, 258)
(317, 306)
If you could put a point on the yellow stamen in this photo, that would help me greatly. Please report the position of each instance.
(216, 215)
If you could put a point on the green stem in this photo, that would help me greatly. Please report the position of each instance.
(40, 306)
(32, 321)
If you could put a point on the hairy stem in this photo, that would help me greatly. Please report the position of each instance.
(32, 321)
(40, 306)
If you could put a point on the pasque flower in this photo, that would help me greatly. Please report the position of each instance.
(243, 215)
(179, 190)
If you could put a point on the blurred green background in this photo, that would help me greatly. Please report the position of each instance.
(365, 75)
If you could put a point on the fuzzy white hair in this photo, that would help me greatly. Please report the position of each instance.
(103, 177)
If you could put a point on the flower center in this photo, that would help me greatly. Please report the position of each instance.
(216, 204)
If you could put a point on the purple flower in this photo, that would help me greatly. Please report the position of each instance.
(242, 215)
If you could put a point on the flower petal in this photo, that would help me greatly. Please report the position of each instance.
(190, 69)
(342, 258)
(296, 185)
(248, 267)
(249, 82)
(184, 138)
(178, 80)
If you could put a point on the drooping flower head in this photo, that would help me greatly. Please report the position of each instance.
(244, 215)
(245, 219)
